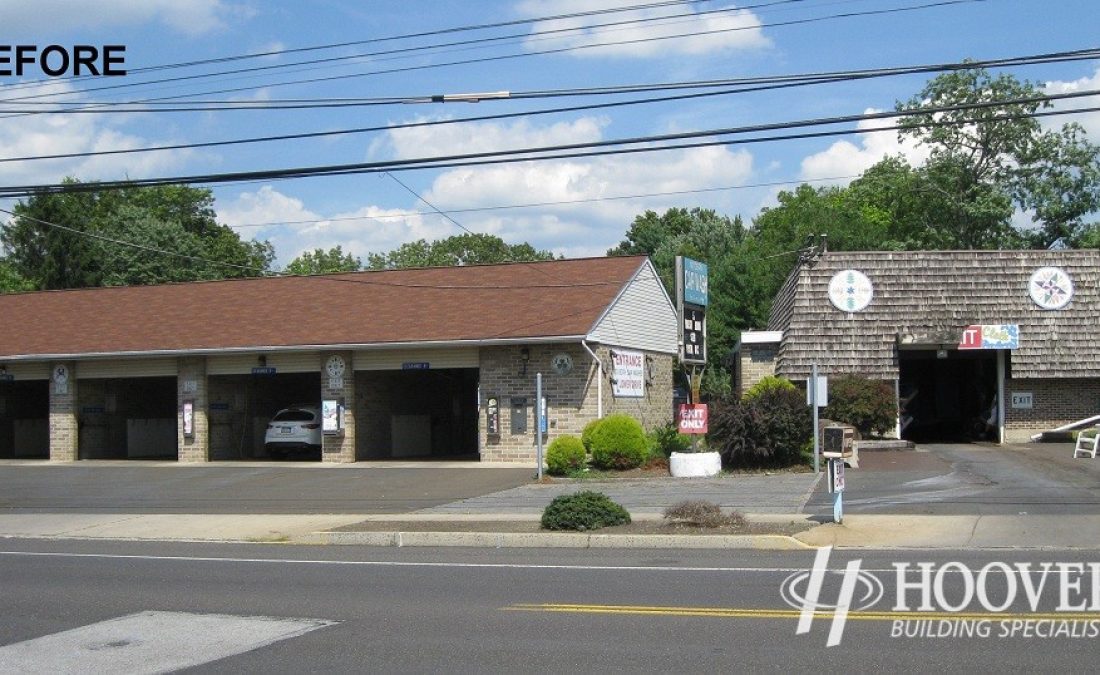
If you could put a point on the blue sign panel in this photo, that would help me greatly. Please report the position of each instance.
(415, 365)
(264, 371)
(695, 282)
(219, 406)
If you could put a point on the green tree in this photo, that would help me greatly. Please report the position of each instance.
(10, 280)
(319, 261)
(71, 239)
(988, 160)
(463, 249)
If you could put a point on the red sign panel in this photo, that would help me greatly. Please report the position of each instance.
(971, 338)
(692, 418)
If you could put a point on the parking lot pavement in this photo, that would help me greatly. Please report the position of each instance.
(970, 479)
(784, 493)
(128, 487)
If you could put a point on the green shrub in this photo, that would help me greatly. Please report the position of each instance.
(586, 434)
(618, 442)
(767, 431)
(564, 455)
(766, 384)
(583, 511)
(868, 405)
(703, 514)
(665, 440)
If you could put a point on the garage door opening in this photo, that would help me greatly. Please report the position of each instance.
(418, 414)
(24, 419)
(127, 418)
(242, 407)
(949, 399)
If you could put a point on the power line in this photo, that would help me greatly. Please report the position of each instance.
(574, 150)
(531, 205)
(259, 272)
(911, 8)
(781, 81)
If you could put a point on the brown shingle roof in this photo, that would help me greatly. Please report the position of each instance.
(488, 302)
(938, 293)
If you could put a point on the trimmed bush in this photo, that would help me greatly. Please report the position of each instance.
(702, 514)
(868, 405)
(583, 511)
(665, 440)
(564, 455)
(766, 384)
(586, 434)
(618, 442)
(768, 431)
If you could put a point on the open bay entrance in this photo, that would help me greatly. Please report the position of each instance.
(950, 399)
(418, 414)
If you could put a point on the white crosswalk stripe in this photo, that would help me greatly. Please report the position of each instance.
(150, 642)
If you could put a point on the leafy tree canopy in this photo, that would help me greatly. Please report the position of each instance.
(463, 249)
(71, 239)
(319, 261)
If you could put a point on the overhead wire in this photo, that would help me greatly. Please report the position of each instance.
(573, 150)
(596, 45)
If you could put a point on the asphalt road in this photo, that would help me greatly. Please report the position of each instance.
(978, 479)
(346, 609)
(293, 489)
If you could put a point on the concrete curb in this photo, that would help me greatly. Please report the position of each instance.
(770, 542)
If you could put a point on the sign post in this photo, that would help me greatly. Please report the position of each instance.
(836, 487)
(692, 295)
(538, 421)
(817, 396)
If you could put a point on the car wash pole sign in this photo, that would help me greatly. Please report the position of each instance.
(692, 295)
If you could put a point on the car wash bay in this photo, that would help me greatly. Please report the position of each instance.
(947, 395)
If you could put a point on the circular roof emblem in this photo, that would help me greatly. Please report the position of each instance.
(1050, 287)
(850, 290)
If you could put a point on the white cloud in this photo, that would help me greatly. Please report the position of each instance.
(369, 229)
(458, 139)
(710, 33)
(1090, 121)
(191, 17)
(44, 134)
(845, 159)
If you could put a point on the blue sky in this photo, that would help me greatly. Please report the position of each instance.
(373, 213)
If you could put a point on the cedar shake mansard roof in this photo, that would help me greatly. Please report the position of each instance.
(519, 302)
(926, 299)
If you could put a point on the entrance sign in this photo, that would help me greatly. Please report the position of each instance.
(850, 291)
(692, 418)
(1050, 287)
(991, 336)
(628, 374)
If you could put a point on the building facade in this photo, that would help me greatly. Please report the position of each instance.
(419, 363)
(998, 345)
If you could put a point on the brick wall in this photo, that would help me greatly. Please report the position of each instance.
(757, 361)
(340, 448)
(64, 428)
(1056, 402)
(192, 385)
(571, 398)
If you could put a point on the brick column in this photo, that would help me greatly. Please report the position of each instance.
(191, 385)
(64, 440)
(339, 448)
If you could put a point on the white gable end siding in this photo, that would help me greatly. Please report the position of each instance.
(642, 317)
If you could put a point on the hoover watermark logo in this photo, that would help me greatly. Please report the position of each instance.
(952, 600)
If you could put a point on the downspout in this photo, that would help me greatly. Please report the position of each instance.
(599, 379)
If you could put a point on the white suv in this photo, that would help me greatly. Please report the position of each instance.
(294, 428)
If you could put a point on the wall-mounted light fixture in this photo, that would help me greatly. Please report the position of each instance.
(525, 357)
(262, 359)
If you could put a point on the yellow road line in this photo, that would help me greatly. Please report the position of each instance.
(748, 613)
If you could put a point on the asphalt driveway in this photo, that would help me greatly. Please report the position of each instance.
(117, 487)
(970, 479)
